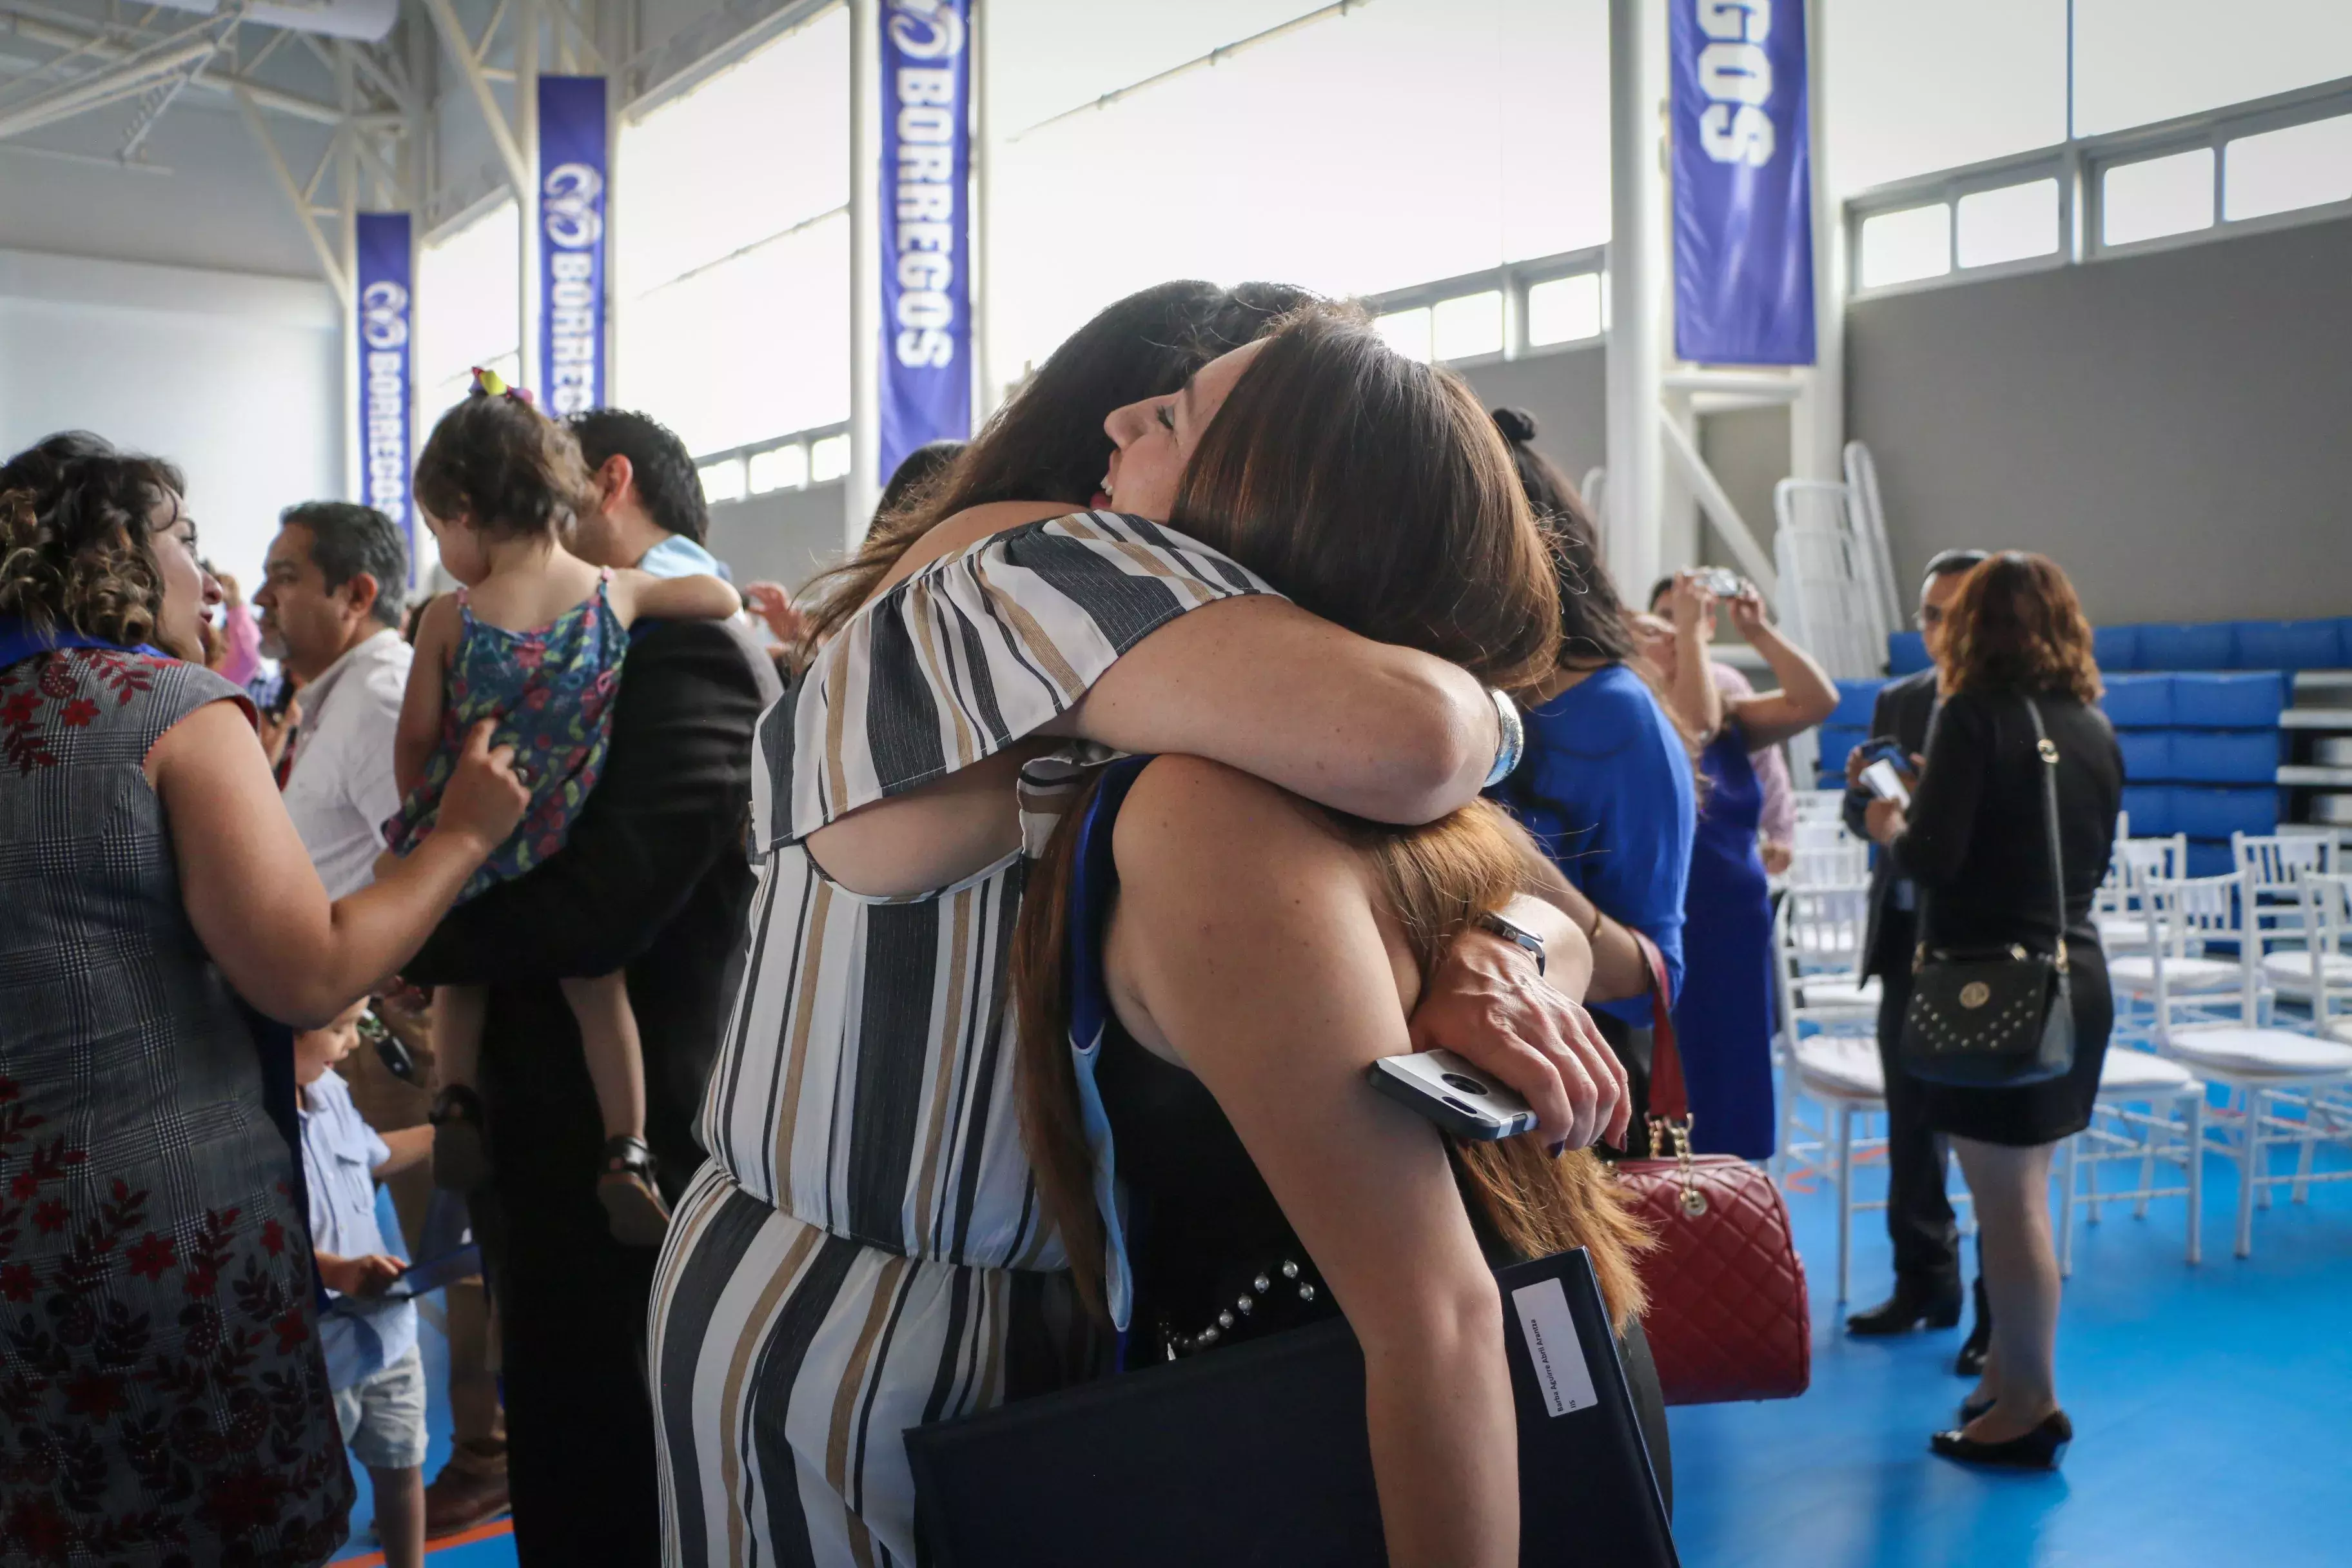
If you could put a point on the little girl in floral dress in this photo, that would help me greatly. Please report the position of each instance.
(534, 640)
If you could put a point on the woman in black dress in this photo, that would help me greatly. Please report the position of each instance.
(1975, 844)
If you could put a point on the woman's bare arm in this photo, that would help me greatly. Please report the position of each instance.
(1245, 939)
(255, 900)
(1806, 694)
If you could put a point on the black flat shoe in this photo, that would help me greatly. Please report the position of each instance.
(2040, 1450)
(1914, 1303)
(1970, 1361)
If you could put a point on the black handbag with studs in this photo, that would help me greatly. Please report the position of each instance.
(2000, 1017)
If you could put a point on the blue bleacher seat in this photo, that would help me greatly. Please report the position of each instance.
(2138, 702)
(2148, 756)
(2115, 648)
(2249, 701)
(2343, 644)
(1835, 741)
(1906, 653)
(1855, 699)
(2288, 645)
(2149, 806)
(2221, 756)
(2189, 645)
(2207, 856)
(2203, 812)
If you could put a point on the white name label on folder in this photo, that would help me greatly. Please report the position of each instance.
(1552, 1345)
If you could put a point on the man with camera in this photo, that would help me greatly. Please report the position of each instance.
(1919, 1218)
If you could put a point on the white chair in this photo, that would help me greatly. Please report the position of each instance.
(2133, 1118)
(2174, 979)
(1817, 935)
(2320, 971)
(2274, 866)
(1841, 1074)
(2118, 910)
(1819, 806)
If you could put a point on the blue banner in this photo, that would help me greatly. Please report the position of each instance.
(926, 382)
(1743, 182)
(387, 367)
(571, 142)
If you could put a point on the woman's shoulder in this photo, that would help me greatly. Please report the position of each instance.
(1082, 554)
(1609, 709)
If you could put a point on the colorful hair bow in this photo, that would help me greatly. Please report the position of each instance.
(490, 384)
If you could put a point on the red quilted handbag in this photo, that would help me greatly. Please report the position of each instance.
(1728, 1317)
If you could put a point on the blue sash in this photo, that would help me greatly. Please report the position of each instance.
(1095, 878)
(19, 642)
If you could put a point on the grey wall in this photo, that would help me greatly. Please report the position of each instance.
(2172, 429)
(785, 536)
(1567, 392)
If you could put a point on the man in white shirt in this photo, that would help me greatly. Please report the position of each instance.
(329, 605)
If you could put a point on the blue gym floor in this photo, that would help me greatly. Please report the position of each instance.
(2208, 1406)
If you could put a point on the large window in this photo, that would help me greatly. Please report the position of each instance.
(732, 259)
(468, 309)
(1357, 152)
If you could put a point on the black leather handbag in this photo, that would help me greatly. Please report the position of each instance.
(2000, 1017)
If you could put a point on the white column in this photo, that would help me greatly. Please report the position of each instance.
(1817, 419)
(526, 124)
(347, 245)
(864, 486)
(1638, 264)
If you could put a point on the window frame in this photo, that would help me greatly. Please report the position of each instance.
(2079, 166)
(1512, 281)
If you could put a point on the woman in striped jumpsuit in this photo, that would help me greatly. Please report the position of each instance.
(865, 1251)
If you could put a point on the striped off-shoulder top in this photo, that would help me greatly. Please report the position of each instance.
(865, 1082)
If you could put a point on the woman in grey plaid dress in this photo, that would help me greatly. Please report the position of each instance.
(164, 1395)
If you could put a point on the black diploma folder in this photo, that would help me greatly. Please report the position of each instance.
(1256, 1453)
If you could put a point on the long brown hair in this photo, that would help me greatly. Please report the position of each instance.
(2016, 625)
(1048, 442)
(1375, 493)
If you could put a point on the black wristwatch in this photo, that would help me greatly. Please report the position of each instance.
(1512, 931)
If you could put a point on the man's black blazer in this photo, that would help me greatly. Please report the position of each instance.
(654, 880)
(1902, 711)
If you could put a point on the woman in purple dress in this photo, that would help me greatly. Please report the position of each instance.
(1723, 1017)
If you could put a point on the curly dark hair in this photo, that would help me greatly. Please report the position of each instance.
(504, 467)
(2017, 626)
(74, 546)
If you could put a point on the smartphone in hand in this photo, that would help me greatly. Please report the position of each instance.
(1456, 1096)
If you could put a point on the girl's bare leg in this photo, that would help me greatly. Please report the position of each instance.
(633, 1208)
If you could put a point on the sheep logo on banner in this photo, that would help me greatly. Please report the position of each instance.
(383, 244)
(571, 133)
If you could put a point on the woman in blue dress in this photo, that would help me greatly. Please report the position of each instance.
(1723, 1018)
(1605, 786)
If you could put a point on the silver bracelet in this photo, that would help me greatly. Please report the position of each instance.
(1513, 743)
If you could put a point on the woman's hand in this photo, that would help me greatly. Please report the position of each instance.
(1690, 605)
(774, 606)
(486, 795)
(1487, 1005)
(1747, 612)
(1884, 821)
(1779, 856)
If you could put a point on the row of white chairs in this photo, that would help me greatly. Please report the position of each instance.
(2188, 1017)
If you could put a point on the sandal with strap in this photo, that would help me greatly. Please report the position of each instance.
(634, 1209)
(461, 1141)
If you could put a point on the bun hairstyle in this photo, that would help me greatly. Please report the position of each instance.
(1391, 509)
(74, 538)
(500, 465)
(1517, 426)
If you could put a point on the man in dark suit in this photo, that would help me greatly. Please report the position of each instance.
(653, 881)
(1918, 1216)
